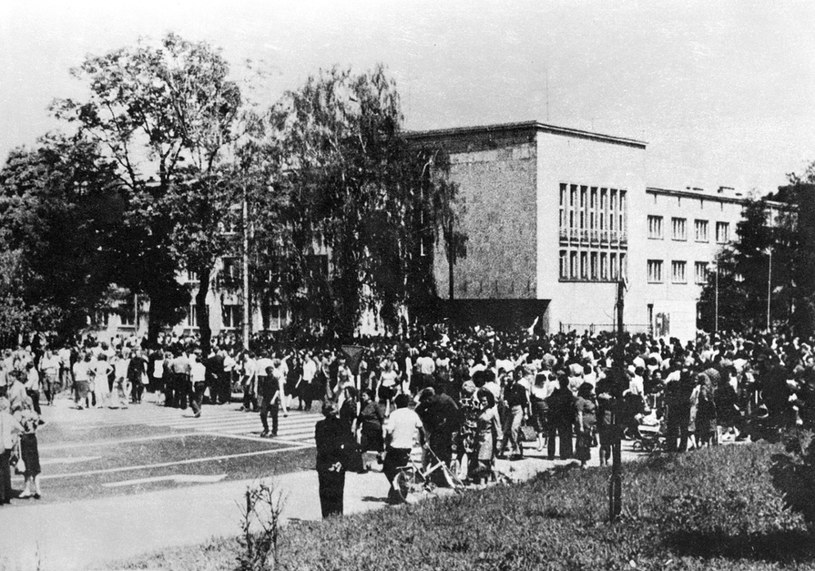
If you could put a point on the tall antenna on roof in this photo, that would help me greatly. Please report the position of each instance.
(547, 94)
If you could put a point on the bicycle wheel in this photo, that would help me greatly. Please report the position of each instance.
(405, 482)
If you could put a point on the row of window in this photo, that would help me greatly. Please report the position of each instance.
(592, 265)
(592, 210)
(273, 317)
(679, 229)
(678, 272)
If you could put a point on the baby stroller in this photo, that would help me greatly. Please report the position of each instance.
(651, 434)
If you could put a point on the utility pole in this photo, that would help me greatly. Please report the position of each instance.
(245, 267)
(615, 483)
(769, 285)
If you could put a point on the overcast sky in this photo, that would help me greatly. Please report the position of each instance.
(723, 92)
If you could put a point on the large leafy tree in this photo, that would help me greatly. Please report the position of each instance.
(164, 114)
(772, 257)
(60, 211)
(363, 206)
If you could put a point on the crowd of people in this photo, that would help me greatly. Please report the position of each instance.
(469, 395)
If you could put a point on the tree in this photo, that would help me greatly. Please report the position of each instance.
(60, 211)
(798, 224)
(746, 278)
(164, 115)
(360, 213)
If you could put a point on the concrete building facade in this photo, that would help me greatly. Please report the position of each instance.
(556, 218)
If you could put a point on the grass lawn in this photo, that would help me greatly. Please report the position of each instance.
(711, 509)
(107, 460)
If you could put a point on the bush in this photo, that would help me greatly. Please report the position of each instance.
(794, 473)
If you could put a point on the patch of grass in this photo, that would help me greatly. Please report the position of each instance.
(711, 509)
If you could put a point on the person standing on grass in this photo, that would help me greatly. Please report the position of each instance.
(331, 440)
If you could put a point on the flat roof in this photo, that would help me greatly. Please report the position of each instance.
(525, 126)
(721, 197)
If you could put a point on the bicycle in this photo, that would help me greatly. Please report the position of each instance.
(414, 479)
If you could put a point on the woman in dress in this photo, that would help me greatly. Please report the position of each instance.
(540, 410)
(488, 436)
(9, 429)
(586, 423)
(29, 451)
(705, 425)
(370, 422)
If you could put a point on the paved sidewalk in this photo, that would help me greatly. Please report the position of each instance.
(83, 534)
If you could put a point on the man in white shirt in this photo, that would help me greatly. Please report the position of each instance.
(271, 387)
(403, 430)
(49, 366)
(198, 379)
(306, 388)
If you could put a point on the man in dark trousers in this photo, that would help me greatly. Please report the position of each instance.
(563, 412)
(332, 439)
(439, 414)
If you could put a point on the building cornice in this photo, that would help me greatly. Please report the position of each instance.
(714, 197)
(534, 126)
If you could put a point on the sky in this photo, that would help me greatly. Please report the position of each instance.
(723, 92)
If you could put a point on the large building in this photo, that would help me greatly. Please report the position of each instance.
(557, 217)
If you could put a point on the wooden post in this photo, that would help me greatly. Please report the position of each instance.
(615, 482)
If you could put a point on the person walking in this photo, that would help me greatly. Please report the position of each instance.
(271, 388)
(198, 382)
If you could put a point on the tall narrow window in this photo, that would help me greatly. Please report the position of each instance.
(654, 271)
(678, 272)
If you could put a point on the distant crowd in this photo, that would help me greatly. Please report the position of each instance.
(477, 392)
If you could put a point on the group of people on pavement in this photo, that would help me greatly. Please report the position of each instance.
(471, 396)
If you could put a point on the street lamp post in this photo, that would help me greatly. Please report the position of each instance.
(769, 284)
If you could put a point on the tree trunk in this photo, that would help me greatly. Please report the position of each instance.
(153, 324)
(203, 310)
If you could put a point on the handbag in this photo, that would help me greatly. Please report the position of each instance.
(16, 459)
(528, 433)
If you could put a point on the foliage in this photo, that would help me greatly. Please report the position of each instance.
(744, 270)
(264, 506)
(358, 191)
(60, 213)
(794, 474)
(163, 114)
(557, 521)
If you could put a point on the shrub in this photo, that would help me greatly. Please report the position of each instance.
(793, 473)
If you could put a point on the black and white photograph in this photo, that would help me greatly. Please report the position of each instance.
(407, 285)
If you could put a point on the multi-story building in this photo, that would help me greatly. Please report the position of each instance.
(555, 219)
